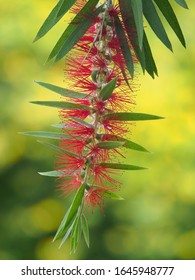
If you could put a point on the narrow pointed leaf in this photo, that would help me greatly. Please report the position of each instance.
(65, 7)
(121, 166)
(75, 234)
(130, 27)
(45, 134)
(182, 3)
(107, 90)
(71, 213)
(127, 143)
(155, 23)
(113, 195)
(59, 125)
(131, 117)
(149, 60)
(62, 91)
(58, 149)
(138, 16)
(82, 122)
(110, 144)
(144, 56)
(67, 234)
(62, 105)
(85, 229)
(52, 173)
(78, 33)
(53, 17)
(72, 28)
(124, 46)
(171, 18)
(75, 30)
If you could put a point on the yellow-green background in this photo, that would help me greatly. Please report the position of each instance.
(157, 218)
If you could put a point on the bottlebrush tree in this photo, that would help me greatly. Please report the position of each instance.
(102, 45)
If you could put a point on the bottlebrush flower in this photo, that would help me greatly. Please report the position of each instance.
(69, 163)
(70, 183)
(102, 44)
(95, 197)
(96, 66)
(103, 176)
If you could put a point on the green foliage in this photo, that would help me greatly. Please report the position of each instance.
(124, 46)
(46, 134)
(127, 143)
(62, 105)
(110, 144)
(113, 195)
(107, 90)
(121, 166)
(131, 117)
(182, 3)
(56, 14)
(52, 173)
(85, 229)
(62, 91)
(139, 9)
(71, 215)
(76, 29)
(58, 149)
(155, 23)
(171, 18)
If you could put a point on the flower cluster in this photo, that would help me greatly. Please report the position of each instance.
(95, 67)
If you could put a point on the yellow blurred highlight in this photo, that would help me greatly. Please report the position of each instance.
(48, 250)
(45, 215)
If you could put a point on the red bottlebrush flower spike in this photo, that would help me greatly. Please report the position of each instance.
(94, 63)
(100, 45)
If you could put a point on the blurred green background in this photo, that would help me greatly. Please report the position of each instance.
(156, 220)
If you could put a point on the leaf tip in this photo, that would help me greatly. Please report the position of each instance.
(35, 39)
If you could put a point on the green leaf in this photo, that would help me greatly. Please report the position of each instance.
(124, 46)
(71, 213)
(110, 144)
(107, 90)
(138, 16)
(62, 105)
(149, 60)
(75, 30)
(131, 117)
(52, 173)
(113, 195)
(127, 143)
(62, 91)
(182, 3)
(130, 27)
(44, 134)
(153, 19)
(121, 166)
(65, 7)
(58, 149)
(53, 17)
(85, 229)
(171, 18)
(144, 56)
(76, 230)
(82, 122)
(68, 232)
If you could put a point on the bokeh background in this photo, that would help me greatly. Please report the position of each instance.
(157, 218)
